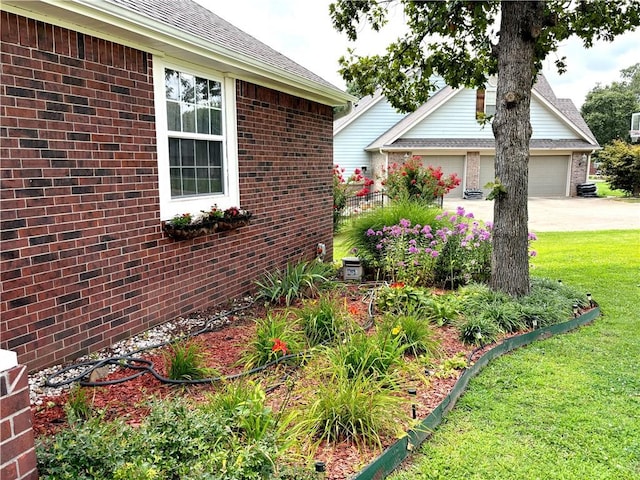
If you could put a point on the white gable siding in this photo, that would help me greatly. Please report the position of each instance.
(349, 144)
(457, 119)
(545, 124)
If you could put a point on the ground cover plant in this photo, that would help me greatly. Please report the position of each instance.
(563, 408)
(341, 399)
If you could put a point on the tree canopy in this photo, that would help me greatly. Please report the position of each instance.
(607, 110)
(465, 42)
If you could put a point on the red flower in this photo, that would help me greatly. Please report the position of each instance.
(397, 285)
(279, 346)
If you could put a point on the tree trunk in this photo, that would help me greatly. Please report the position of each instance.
(519, 28)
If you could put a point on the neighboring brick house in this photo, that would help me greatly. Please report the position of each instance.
(117, 115)
(446, 133)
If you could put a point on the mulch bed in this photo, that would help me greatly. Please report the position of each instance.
(223, 350)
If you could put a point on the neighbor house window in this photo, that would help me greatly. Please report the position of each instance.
(195, 120)
(486, 99)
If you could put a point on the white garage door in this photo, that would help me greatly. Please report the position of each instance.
(450, 164)
(547, 175)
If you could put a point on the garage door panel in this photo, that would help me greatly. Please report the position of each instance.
(449, 164)
(547, 175)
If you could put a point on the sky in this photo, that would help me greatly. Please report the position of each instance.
(302, 30)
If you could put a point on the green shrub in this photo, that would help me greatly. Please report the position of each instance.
(323, 320)
(300, 280)
(276, 335)
(412, 332)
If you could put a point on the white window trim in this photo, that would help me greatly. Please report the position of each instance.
(231, 198)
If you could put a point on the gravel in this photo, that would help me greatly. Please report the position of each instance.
(157, 336)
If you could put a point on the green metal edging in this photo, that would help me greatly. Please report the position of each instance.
(395, 454)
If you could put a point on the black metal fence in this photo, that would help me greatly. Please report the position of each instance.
(359, 204)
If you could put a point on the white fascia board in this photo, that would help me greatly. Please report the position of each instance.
(561, 115)
(408, 122)
(138, 31)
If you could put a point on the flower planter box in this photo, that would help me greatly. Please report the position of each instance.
(186, 232)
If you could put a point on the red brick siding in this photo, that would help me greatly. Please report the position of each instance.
(17, 451)
(84, 260)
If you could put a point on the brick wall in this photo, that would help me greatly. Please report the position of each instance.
(84, 260)
(578, 172)
(17, 452)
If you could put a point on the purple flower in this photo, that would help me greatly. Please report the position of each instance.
(370, 232)
(379, 246)
(405, 223)
(413, 249)
(533, 253)
(532, 236)
(469, 215)
(434, 254)
(460, 211)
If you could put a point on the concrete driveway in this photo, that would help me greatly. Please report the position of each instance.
(565, 214)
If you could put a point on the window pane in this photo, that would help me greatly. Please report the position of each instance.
(176, 182)
(172, 84)
(203, 120)
(203, 180)
(174, 152)
(187, 152)
(215, 94)
(189, 181)
(202, 90)
(187, 86)
(188, 117)
(202, 153)
(215, 180)
(215, 154)
(173, 116)
(216, 122)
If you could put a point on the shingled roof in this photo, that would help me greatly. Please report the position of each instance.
(191, 17)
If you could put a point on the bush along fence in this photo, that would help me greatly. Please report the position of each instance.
(393, 456)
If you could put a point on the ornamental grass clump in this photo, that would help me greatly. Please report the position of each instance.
(186, 361)
(277, 335)
(324, 320)
(414, 333)
(295, 281)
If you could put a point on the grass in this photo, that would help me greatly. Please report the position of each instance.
(605, 190)
(564, 408)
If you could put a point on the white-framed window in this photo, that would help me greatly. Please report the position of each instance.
(486, 98)
(196, 139)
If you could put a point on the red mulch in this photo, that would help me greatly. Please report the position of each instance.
(223, 350)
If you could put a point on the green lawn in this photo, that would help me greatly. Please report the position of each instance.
(564, 408)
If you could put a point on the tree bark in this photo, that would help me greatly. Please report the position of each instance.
(519, 26)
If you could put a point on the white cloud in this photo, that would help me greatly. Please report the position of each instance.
(302, 31)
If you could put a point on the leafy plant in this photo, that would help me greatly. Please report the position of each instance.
(355, 232)
(369, 355)
(414, 333)
(357, 409)
(478, 330)
(301, 280)
(277, 335)
(323, 320)
(185, 361)
(78, 407)
(399, 298)
(450, 365)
